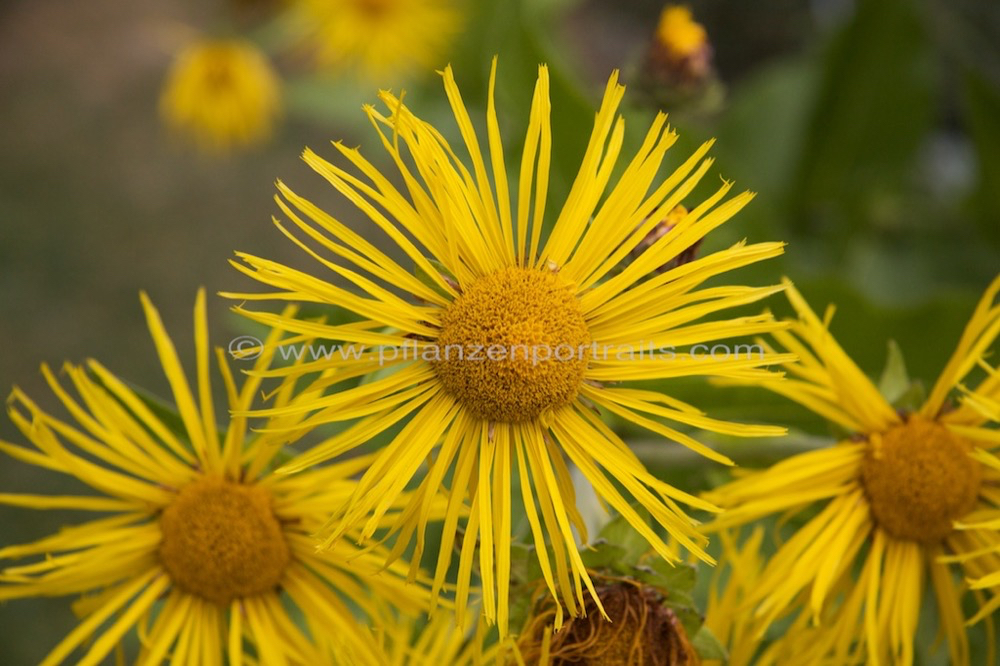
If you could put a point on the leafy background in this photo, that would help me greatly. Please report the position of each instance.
(870, 130)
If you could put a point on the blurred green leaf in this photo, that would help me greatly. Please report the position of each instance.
(524, 566)
(330, 101)
(761, 133)
(894, 380)
(871, 114)
(982, 107)
(896, 385)
(708, 646)
(689, 617)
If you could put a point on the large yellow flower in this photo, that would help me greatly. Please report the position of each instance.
(221, 94)
(204, 548)
(379, 37)
(908, 494)
(496, 350)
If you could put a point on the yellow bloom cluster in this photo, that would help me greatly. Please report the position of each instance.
(298, 529)
(224, 94)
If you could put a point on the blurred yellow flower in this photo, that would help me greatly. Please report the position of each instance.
(377, 38)
(483, 274)
(908, 495)
(204, 551)
(679, 58)
(438, 641)
(725, 615)
(221, 94)
(679, 34)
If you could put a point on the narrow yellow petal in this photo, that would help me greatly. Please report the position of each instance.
(111, 637)
(86, 628)
(175, 376)
(169, 622)
(81, 503)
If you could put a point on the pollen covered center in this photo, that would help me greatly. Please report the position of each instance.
(222, 541)
(514, 344)
(919, 478)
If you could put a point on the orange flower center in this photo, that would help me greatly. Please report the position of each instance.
(222, 541)
(513, 345)
(919, 478)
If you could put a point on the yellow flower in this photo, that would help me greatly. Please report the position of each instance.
(195, 520)
(469, 361)
(380, 37)
(908, 494)
(221, 94)
(679, 34)
(726, 616)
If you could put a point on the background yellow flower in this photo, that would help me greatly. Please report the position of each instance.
(379, 37)
(221, 94)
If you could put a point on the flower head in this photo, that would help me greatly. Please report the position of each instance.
(634, 627)
(379, 37)
(909, 493)
(679, 34)
(497, 351)
(221, 94)
(680, 53)
(203, 549)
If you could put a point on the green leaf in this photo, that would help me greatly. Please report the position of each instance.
(602, 555)
(688, 616)
(894, 381)
(761, 132)
(619, 533)
(524, 566)
(982, 110)
(677, 580)
(911, 399)
(871, 115)
(708, 646)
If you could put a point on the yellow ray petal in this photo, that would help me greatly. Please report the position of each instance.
(183, 398)
(86, 628)
(981, 331)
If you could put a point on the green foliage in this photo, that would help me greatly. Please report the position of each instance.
(872, 110)
(707, 645)
(982, 100)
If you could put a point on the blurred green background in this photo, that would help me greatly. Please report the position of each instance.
(870, 130)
